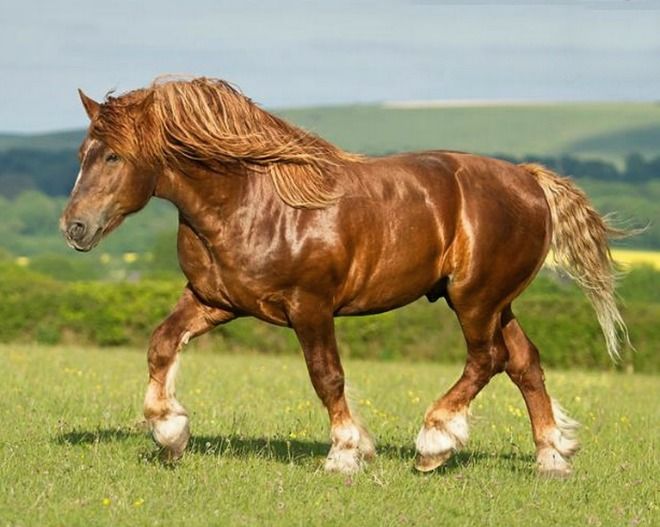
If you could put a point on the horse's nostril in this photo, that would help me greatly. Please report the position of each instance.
(76, 230)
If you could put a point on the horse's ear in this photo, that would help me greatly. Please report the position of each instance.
(91, 106)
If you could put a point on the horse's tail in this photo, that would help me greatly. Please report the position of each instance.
(580, 247)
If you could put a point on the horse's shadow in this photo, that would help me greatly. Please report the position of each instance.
(288, 451)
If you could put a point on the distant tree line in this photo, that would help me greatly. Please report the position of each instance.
(636, 167)
(53, 172)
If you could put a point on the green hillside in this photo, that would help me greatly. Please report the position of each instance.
(606, 131)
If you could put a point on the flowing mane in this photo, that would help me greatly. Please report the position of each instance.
(210, 122)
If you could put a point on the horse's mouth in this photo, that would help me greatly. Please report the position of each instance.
(87, 244)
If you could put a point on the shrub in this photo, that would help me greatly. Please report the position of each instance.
(553, 312)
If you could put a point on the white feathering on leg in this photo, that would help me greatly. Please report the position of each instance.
(449, 435)
(552, 459)
(344, 455)
(173, 430)
(366, 446)
(172, 433)
(565, 439)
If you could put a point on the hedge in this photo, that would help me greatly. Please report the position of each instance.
(554, 314)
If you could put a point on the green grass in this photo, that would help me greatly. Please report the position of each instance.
(72, 453)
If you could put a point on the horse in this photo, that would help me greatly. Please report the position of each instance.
(277, 223)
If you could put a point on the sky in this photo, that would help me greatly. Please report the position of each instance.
(292, 53)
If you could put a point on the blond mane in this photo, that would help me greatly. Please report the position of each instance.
(210, 122)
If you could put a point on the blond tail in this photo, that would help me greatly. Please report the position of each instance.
(580, 247)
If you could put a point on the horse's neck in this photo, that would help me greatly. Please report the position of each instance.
(203, 197)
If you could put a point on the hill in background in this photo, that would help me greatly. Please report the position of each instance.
(607, 131)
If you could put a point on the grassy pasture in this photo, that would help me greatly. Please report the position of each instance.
(72, 451)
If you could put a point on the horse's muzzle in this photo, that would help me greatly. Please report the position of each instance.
(80, 235)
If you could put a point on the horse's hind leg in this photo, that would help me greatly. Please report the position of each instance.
(445, 428)
(167, 418)
(554, 431)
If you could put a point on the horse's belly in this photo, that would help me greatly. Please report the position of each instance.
(372, 304)
(392, 282)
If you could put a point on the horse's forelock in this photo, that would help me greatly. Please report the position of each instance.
(120, 124)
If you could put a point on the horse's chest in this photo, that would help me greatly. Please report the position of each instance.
(201, 268)
(223, 278)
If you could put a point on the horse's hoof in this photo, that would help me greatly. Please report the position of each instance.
(172, 433)
(437, 443)
(430, 463)
(366, 447)
(551, 464)
(556, 473)
(343, 461)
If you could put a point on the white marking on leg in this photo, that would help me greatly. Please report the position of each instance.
(344, 455)
(172, 430)
(561, 444)
(151, 398)
(170, 378)
(185, 339)
(172, 433)
(446, 436)
(564, 437)
(366, 444)
(346, 435)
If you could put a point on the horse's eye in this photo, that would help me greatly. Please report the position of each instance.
(111, 158)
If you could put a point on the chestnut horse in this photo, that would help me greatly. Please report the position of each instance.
(278, 224)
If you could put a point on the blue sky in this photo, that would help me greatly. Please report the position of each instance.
(286, 53)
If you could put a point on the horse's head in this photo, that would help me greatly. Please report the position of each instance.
(108, 188)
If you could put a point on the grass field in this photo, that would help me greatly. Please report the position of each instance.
(602, 130)
(72, 452)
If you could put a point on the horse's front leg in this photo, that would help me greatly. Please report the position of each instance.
(167, 418)
(351, 443)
